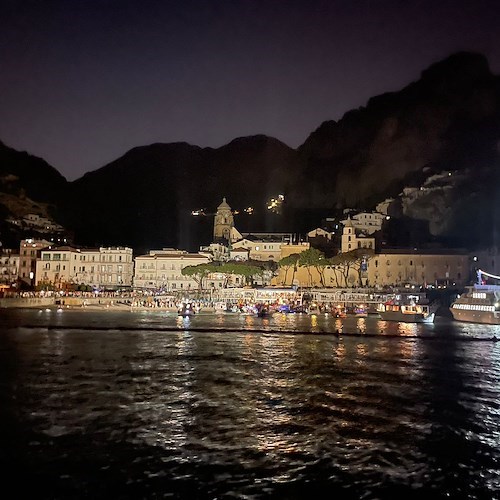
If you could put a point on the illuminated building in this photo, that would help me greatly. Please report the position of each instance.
(162, 269)
(105, 267)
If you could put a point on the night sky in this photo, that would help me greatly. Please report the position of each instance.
(83, 81)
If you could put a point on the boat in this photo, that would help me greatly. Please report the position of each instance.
(264, 311)
(186, 310)
(361, 311)
(480, 303)
(408, 308)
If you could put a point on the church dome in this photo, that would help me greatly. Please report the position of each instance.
(224, 205)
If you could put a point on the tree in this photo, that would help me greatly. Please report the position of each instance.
(347, 261)
(245, 270)
(233, 268)
(312, 257)
(287, 263)
(198, 273)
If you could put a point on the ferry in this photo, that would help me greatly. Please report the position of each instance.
(408, 308)
(480, 303)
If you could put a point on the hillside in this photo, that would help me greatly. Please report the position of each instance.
(145, 198)
(432, 146)
(448, 121)
(28, 184)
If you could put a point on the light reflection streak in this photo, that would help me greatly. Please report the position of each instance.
(167, 411)
(314, 321)
(340, 351)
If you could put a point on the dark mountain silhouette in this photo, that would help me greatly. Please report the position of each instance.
(433, 146)
(448, 121)
(145, 198)
(26, 175)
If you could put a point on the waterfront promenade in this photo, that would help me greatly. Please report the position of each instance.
(208, 302)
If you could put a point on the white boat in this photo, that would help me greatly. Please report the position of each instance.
(479, 304)
(408, 308)
(186, 310)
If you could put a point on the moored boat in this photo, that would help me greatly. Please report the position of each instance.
(409, 308)
(186, 310)
(480, 303)
(361, 311)
(264, 311)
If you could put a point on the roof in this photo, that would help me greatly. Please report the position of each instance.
(422, 251)
(179, 256)
(64, 248)
(348, 222)
(224, 205)
(266, 237)
(240, 249)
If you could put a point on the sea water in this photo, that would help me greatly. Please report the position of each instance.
(150, 405)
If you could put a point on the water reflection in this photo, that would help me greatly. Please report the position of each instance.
(252, 399)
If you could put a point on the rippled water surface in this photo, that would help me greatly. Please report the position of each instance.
(149, 405)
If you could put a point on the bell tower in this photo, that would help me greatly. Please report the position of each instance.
(223, 223)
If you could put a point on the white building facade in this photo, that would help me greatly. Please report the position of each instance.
(162, 270)
(106, 268)
(418, 268)
(261, 250)
(367, 222)
(353, 241)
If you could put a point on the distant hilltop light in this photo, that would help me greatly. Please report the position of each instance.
(274, 204)
(248, 210)
(196, 213)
